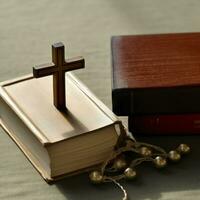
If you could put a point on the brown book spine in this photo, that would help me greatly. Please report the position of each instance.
(165, 124)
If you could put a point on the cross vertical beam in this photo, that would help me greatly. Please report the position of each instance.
(58, 53)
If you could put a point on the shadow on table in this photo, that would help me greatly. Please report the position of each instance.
(178, 181)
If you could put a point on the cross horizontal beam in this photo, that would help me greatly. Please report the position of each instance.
(50, 68)
(44, 70)
(74, 63)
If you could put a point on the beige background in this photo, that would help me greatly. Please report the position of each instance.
(28, 28)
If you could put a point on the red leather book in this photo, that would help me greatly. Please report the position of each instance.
(165, 124)
(156, 74)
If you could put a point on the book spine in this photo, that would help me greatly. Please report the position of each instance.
(165, 124)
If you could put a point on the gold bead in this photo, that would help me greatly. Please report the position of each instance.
(144, 151)
(174, 156)
(96, 177)
(183, 149)
(160, 162)
(120, 163)
(130, 173)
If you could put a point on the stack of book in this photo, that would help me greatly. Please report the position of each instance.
(156, 82)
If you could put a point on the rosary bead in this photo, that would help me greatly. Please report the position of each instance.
(160, 162)
(96, 177)
(130, 173)
(183, 149)
(174, 156)
(120, 163)
(145, 151)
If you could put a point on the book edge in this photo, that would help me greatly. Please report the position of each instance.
(93, 98)
(48, 179)
(25, 151)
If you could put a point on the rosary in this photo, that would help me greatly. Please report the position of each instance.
(122, 162)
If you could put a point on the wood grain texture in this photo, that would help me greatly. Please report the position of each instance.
(164, 60)
(163, 70)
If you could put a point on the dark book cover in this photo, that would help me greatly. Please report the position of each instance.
(156, 74)
(165, 124)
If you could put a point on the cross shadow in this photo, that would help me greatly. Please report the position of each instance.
(177, 179)
(74, 122)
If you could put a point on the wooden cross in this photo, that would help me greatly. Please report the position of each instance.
(58, 69)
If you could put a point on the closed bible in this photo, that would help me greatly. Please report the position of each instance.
(57, 143)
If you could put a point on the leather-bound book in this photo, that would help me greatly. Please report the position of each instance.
(156, 74)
